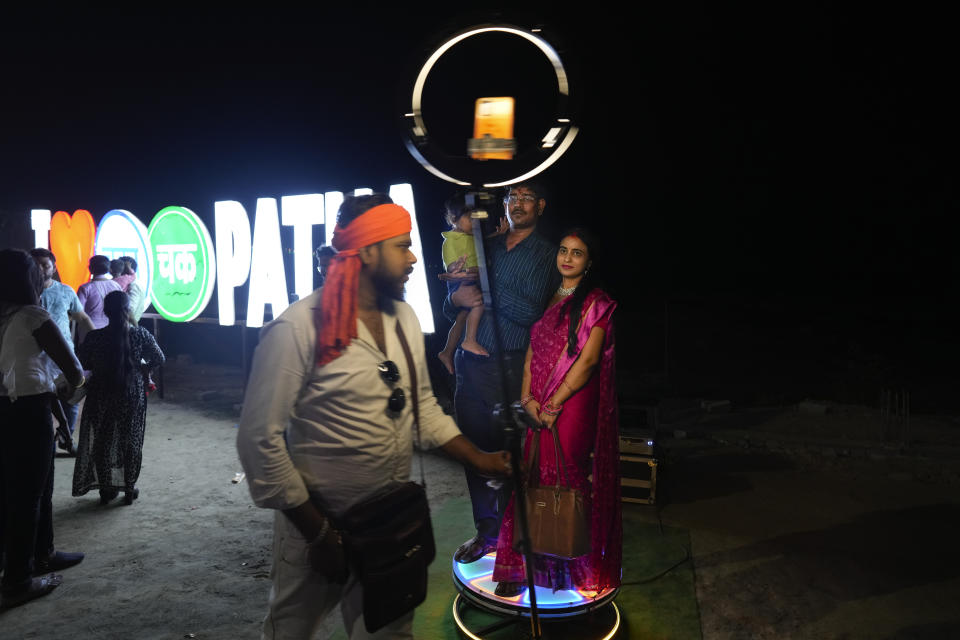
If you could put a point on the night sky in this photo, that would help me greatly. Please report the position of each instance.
(757, 154)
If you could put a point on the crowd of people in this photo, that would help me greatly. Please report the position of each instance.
(329, 419)
(557, 340)
(42, 378)
(326, 424)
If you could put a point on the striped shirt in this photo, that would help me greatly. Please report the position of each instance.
(523, 279)
(91, 296)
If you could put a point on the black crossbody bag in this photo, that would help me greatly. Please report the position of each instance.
(388, 539)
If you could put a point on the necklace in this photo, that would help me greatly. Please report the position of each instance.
(564, 292)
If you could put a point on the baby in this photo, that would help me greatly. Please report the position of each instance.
(460, 259)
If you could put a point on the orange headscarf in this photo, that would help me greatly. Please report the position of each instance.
(337, 324)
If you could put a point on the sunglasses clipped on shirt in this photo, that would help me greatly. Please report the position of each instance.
(391, 375)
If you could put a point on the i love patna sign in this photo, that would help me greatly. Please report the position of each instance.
(180, 264)
(184, 261)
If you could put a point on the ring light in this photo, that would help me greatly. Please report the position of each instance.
(554, 144)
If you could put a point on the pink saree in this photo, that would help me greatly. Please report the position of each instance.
(588, 424)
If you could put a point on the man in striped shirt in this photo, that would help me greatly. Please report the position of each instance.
(524, 275)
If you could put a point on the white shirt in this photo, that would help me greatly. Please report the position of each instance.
(342, 443)
(137, 300)
(25, 369)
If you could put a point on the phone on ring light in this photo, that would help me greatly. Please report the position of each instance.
(493, 123)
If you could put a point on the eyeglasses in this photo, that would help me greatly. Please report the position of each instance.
(513, 199)
(391, 374)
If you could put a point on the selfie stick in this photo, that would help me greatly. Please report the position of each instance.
(509, 419)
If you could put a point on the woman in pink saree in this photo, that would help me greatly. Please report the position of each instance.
(569, 385)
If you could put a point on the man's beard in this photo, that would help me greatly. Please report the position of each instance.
(386, 286)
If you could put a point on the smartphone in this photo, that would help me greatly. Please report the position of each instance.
(493, 129)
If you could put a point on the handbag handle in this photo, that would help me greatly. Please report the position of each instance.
(533, 460)
(561, 463)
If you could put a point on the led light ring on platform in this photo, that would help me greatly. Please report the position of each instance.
(558, 138)
(462, 625)
(476, 586)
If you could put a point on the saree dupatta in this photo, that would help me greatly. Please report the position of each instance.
(606, 525)
(599, 307)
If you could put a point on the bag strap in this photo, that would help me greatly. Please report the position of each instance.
(533, 460)
(561, 463)
(413, 392)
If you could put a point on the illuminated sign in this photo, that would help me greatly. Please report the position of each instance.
(262, 258)
(233, 248)
(332, 202)
(40, 223)
(120, 233)
(178, 265)
(301, 213)
(268, 281)
(71, 242)
(184, 265)
(417, 293)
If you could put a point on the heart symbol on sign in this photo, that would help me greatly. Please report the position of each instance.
(71, 241)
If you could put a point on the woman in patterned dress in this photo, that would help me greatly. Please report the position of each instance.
(114, 414)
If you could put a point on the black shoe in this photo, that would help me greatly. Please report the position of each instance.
(474, 549)
(106, 495)
(130, 495)
(58, 561)
(37, 588)
(510, 589)
(65, 444)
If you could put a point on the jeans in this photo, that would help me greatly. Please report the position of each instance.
(26, 453)
(478, 391)
(71, 411)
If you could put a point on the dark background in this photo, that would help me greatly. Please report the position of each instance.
(772, 184)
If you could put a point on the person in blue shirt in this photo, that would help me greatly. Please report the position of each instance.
(63, 305)
(524, 276)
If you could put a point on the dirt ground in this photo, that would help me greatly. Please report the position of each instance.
(780, 549)
(192, 554)
(785, 549)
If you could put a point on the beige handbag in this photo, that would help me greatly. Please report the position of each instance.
(559, 516)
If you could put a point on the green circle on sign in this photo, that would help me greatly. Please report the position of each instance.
(184, 266)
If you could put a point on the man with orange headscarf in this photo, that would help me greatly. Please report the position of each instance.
(327, 419)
